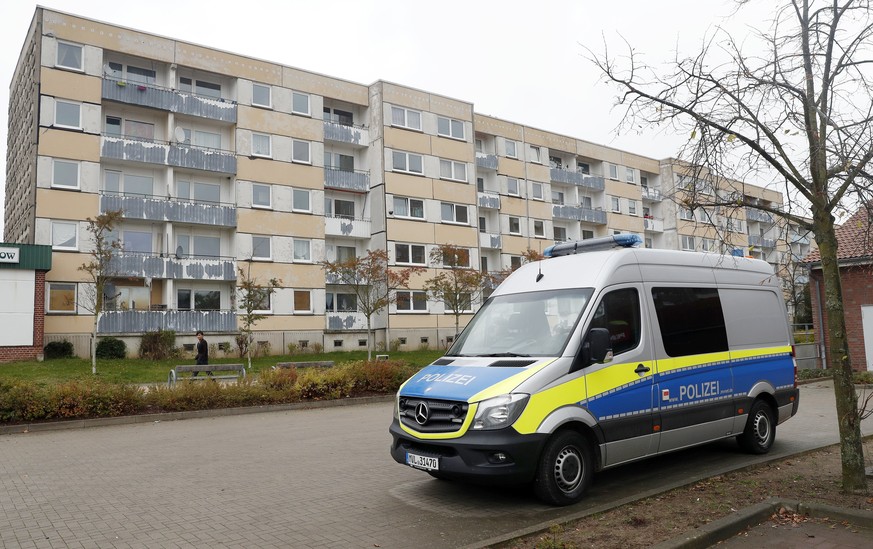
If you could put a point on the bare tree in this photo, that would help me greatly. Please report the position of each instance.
(459, 286)
(99, 270)
(373, 282)
(253, 297)
(798, 113)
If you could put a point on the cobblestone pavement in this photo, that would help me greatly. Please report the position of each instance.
(303, 478)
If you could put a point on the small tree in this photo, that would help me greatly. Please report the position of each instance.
(253, 297)
(99, 270)
(372, 281)
(458, 286)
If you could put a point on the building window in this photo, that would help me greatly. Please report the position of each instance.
(300, 103)
(560, 234)
(514, 225)
(615, 203)
(456, 171)
(409, 254)
(338, 116)
(512, 186)
(458, 258)
(65, 174)
(587, 234)
(536, 155)
(302, 301)
(300, 200)
(405, 118)
(261, 196)
(515, 262)
(558, 198)
(346, 253)
(300, 152)
(454, 213)
(511, 149)
(407, 162)
(261, 300)
(707, 245)
(336, 207)
(632, 207)
(261, 248)
(261, 95)
(68, 115)
(65, 235)
(196, 191)
(687, 242)
(69, 56)
(302, 250)
(480, 146)
(686, 213)
(629, 175)
(198, 138)
(262, 145)
(482, 225)
(200, 87)
(408, 207)
(61, 298)
(450, 127)
(536, 191)
(337, 161)
(613, 171)
(341, 303)
(412, 301)
(583, 168)
(539, 228)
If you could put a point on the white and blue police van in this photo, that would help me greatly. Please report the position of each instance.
(599, 355)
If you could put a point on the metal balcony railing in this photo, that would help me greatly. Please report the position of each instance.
(347, 227)
(137, 322)
(155, 208)
(346, 180)
(651, 194)
(154, 265)
(167, 99)
(578, 213)
(490, 241)
(487, 161)
(489, 200)
(346, 133)
(180, 155)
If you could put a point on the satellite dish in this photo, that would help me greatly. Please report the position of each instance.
(179, 134)
(178, 252)
(107, 69)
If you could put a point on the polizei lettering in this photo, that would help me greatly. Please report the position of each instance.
(458, 379)
(698, 390)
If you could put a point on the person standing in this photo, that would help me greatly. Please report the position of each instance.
(202, 357)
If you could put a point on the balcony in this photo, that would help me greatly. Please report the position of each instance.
(569, 177)
(761, 242)
(344, 321)
(653, 224)
(167, 154)
(578, 213)
(797, 238)
(153, 208)
(489, 241)
(346, 180)
(347, 227)
(486, 161)
(650, 194)
(137, 322)
(358, 136)
(489, 200)
(150, 265)
(759, 216)
(166, 99)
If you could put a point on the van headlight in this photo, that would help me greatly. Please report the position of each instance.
(499, 412)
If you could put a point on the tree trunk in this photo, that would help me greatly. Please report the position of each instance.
(94, 345)
(369, 339)
(849, 420)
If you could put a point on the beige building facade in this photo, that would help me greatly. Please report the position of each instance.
(223, 162)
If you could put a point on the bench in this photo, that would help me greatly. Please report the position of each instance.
(314, 363)
(239, 371)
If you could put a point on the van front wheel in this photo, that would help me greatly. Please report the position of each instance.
(760, 431)
(565, 469)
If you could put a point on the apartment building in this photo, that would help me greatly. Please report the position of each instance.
(222, 162)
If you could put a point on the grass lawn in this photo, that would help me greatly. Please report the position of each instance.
(134, 370)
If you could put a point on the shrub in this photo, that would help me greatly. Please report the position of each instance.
(331, 383)
(379, 376)
(158, 345)
(292, 348)
(110, 347)
(280, 379)
(242, 343)
(317, 348)
(58, 349)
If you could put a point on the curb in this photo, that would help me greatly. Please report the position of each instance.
(727, 527)
(22, 428)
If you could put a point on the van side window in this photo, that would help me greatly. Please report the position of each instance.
(619, 312)
(691, 320)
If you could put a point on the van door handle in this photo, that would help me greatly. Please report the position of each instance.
(641, 369)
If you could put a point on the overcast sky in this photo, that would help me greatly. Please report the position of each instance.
(522, 61)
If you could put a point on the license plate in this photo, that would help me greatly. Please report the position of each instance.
(423, 462)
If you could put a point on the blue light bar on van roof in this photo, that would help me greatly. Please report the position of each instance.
(594, 244)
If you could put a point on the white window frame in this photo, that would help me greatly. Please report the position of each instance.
(409, 208)
(631, 207)
(539, 228)
(57, 124)
(453, 124)
(405, 114)
(536, 191)
(409, 247)
(294, 302)
(75, 246)
(686, 214)
(269, 189)
(509, 188)
(613, 171)
(269, 153)
(457, 171)
(509, 225)
(308, 258)
(301, 192)
(269, 241)
(406, 156)
(615, 204)
(48, 298)
(629, 175)
(294, 157)
(294, 96)
(455, 208)
(269, 89)
(55, 183)
(536, 155)
(269, 297)
(58, 64)
(412, 294)
(514, 146)
(686, 240)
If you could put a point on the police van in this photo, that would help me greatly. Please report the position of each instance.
(602, 354)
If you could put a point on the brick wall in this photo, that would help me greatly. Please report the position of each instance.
(857, 285)
(34, 352)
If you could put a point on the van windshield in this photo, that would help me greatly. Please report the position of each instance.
(526, 324)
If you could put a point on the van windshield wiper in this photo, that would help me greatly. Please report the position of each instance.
(503, 354)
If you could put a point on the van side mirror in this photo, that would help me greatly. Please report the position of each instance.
(597, 346)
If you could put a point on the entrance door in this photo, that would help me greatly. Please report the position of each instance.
(867, 328)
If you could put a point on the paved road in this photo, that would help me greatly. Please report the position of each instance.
(305, 478)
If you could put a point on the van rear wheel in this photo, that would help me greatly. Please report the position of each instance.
(760, 431)
(565, 469)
